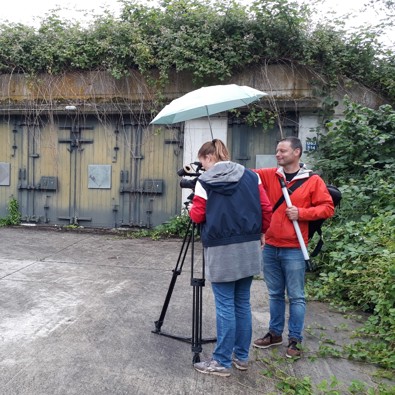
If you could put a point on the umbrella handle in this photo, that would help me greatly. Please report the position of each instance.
(209, 122)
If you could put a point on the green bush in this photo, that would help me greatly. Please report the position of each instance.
(357, 267)
(210, 39)
(176, 227)
(14, 216)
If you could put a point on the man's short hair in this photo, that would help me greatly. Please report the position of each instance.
(295, 143)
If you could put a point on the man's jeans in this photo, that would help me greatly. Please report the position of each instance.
(284, 269)
(234, 325)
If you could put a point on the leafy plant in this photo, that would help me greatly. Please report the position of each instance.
(357, 267)
(14, 216)
(280, 372)
(265, 118)
(71, 226)
(175, 227)
(211, 40)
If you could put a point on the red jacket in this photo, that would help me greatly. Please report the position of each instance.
(311, 198)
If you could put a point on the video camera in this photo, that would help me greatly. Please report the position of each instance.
(195, 170)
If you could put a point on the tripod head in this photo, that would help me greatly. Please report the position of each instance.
(195, 170)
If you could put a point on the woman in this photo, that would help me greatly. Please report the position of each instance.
(235, 212)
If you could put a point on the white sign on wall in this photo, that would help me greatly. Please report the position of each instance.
(99, 176)
(5, 169)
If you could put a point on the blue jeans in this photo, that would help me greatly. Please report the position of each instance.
(284, 269)
(234, 325)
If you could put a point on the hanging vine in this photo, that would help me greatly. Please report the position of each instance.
(208, 39)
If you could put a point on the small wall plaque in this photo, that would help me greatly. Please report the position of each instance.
(5, 170)
(99, 176)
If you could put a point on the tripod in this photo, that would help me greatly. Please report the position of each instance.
(197, 302)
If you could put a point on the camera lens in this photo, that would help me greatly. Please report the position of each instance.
(185, 183)
(182, 172)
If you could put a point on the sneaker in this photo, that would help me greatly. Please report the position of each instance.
(241, 365)
(212, 367)
(293, 350)
(268, 340)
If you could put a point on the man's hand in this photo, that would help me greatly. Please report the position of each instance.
(292, 213)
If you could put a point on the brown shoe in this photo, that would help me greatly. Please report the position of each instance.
(268, 340)
(293, 350)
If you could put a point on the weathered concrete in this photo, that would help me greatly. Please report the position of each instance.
(77, 311)
(292, 87)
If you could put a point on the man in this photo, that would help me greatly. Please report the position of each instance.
(283, 260)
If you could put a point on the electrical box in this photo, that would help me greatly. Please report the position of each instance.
(49, 183)
(153, 186)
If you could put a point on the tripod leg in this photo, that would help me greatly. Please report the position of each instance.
(197, 342)
(176, 272)
(198, 284)
(197, 308)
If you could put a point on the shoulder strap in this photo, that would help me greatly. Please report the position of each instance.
(319, 245)
(291, 189)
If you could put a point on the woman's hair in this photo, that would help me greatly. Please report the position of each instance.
(216, 148)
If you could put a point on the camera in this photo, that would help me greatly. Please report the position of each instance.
(194, 170)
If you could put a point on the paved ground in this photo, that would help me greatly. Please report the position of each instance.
(77, 311)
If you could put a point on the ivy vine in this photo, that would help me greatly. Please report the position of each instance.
(209, 39)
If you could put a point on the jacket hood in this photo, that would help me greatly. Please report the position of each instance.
(223, 177)
(303, 173)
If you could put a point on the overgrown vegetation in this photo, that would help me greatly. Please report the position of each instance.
(209, 39)
(278, 370)
(14, 216)
(357, 267)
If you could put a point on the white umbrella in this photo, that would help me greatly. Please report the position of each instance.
(205, 102)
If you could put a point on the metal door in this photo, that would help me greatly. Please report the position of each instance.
(255, 147)
(74, 142)
(28, 154)
(150, 192)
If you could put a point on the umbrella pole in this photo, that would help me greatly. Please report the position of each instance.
(209, 122)
(211, 130)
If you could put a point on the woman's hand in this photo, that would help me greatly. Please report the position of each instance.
(262, 240)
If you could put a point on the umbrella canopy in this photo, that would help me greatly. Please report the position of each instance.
(207, 101)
